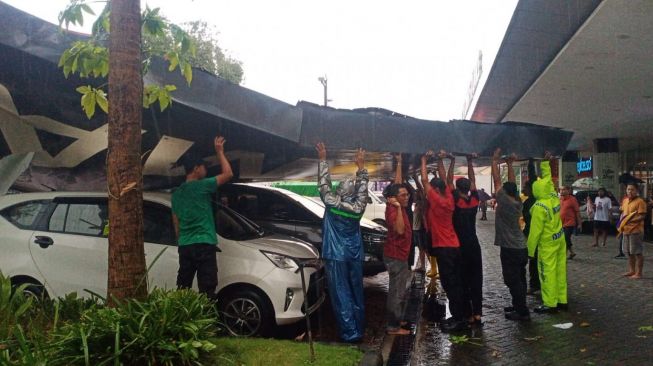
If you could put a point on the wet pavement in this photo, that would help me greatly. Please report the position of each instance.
(606, 311)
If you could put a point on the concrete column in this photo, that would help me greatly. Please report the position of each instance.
(607, 164)
(568, 168)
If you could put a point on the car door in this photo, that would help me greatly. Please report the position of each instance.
(70, 250)
(161, 254)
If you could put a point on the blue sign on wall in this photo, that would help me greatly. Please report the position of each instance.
(584, 165)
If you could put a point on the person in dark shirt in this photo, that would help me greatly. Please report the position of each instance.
(464, 222)
(508, 236)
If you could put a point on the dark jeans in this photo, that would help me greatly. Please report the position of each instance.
(198, 258)
(449, 263)
(472, 276)
(569, 231)
(534, 277)
(513, 267)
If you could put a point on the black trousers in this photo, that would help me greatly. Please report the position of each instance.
(513, 267)
(200, 259)
(534, 277)
(449, 265)
(472, 275)
(569, 231)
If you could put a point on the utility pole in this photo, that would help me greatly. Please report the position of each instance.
(323, 80)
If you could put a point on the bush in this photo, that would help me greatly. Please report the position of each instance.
(169, 328)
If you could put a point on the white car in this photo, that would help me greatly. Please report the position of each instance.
(56, 242)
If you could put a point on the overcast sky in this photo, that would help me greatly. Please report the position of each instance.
(413, 57)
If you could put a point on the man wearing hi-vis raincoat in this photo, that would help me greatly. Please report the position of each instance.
(342, 245)
(547, 236)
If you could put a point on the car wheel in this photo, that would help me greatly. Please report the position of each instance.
(380, 222)
(245, 313)
(31, 289)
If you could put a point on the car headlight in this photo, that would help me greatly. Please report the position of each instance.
(281, 261)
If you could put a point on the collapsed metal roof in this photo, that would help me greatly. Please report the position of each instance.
(267, 138)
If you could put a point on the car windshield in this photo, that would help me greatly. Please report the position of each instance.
(233, 226)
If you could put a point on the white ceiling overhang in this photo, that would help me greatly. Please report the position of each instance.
(600, 85)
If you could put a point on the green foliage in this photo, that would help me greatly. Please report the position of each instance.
(90, 58)
(152, 93)
(92, 96)
(74, 13)
(646, 328)
(169, 328)
(207, 55)
(13, 306)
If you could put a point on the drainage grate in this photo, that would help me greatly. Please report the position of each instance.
(402, 346)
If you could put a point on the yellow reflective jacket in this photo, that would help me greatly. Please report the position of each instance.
(546, 226)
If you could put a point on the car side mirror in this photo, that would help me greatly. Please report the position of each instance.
(368, 199)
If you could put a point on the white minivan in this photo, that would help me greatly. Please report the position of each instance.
(57, 243)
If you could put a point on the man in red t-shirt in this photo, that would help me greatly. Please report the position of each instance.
(444, 242)
(570, 216)
(396, 251)
(395, 255)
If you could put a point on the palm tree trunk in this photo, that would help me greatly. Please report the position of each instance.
(124, 174)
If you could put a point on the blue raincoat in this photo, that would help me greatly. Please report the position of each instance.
(342, 249)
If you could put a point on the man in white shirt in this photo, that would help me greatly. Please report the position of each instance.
(602, 206)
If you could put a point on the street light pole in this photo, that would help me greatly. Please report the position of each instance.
(323, 80)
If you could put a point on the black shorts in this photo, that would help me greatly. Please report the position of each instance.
(601, 225)
(421, 239)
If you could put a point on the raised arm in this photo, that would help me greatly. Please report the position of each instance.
(496, 176)
(398, 179)
(448, 178)
(532, 175)
(545, 166)
(442, 174)
(362, 191)
(424, 175)
(511, 171)
(226, 173)
(470, 171)
(323, 176)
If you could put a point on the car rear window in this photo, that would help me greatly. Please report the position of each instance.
(25, 215)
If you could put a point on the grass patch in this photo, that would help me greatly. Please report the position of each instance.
(258, 351)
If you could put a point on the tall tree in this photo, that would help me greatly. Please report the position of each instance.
(124, 173)
(125, 62)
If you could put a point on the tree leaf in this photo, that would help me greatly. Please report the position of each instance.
(84, 89)
(188, 73)
(88, 104)
(101, 98)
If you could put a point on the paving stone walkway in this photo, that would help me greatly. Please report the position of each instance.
(606, 310)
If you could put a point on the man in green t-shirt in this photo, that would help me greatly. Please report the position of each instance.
(192, 215)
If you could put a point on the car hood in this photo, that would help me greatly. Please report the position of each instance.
(283, 244)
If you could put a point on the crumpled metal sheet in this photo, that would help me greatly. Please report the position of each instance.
(346, 129)
(280, 135)
(11, 167)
